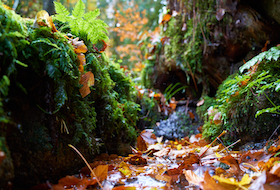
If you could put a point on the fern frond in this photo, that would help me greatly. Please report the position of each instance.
(92, 15)
(46, 41)
(272, 53)
(79, 9)
(62, 12)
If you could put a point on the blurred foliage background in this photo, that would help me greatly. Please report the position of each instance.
(130, 21)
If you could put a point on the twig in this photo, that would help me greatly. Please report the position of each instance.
(224, 132)
(273, 133)
(223, 145)
(87, 165)
(230, 145)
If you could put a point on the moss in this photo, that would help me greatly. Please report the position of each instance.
(242, 96)
(41, 100)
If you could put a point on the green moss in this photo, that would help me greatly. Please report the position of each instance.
(249, 102)
(53, 90)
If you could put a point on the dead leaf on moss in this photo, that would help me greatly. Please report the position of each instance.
(43, 19)
(200, 103)
(86, 80)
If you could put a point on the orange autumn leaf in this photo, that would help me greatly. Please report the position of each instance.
(81, 48)
(165, 18)
(210, 184)
(191, 115)
(124, 188)
(82, 61)
(173, 104)
(69, 181)
(86, 80)
(101, 171)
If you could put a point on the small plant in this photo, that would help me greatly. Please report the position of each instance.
(82, 23)
(170, 91)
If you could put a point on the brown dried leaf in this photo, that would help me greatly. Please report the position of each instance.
(233, 163)
(145, 139)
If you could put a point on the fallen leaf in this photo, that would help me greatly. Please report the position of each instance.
(192, 177)
(101, 171)
(217, 118)
(233, 163)
(246, 180)
(191, 115)
(259, 182)
(275, 169)
(123, 187)
(165, 18)
(146, 138)
(43, 19)
(82, 61)
(124, 169)
(68, 181)
(200, 103)
(209, 183)
(86, 80)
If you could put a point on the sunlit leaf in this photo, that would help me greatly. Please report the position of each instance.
(124, 169)
(210, 184)
(246, 180)
(192, 177)
(43, 19)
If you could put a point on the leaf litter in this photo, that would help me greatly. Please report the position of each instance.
(188, 163)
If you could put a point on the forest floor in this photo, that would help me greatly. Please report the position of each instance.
(184, 163)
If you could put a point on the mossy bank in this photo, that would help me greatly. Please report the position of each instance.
(41, 106)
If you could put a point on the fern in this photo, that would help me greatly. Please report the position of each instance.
(272, 53)
(83, 23)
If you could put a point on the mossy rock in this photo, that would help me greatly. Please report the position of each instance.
(42, 110)
(247, 104)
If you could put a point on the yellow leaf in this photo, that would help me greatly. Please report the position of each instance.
(218, 155)
(246, 180)
(123, 167)
(179, 146)
(43, 19)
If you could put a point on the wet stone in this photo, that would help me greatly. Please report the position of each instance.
(179, 124)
